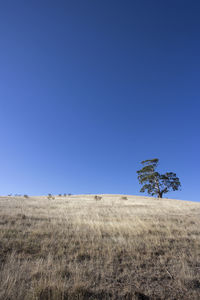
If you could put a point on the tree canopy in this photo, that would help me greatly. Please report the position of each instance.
(155, 183)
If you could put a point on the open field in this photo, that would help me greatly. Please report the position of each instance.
(77, 247)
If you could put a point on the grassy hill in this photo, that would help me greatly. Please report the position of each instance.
(112, 247)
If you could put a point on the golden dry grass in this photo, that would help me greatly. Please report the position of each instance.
(79, 247)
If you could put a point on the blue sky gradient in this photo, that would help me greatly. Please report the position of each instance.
(89, 89)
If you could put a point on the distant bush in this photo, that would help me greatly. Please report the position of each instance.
(124, 198)
(50, 196)
(21, 216)
(69, 194)
(59, 195)
(26, 196)
(64, 194)
(97, 197)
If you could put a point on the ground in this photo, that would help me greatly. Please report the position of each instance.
(106, 247)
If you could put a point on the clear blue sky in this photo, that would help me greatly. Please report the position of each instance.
(89, 89)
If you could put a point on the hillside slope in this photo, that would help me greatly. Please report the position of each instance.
(106, 247)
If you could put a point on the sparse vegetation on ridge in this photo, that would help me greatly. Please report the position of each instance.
(80, 248)
(97, 198)
(124, 198)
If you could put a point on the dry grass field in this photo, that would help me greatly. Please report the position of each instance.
(80, 247)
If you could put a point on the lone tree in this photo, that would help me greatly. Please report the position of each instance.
(155, 183)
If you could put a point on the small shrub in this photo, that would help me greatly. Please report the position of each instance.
(25, 196)
(124, 198)
(69, 194)
(97, 198)
(21, 216)
(59, 195)
(64, 194)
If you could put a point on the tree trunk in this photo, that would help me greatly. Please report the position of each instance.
(160, 194)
